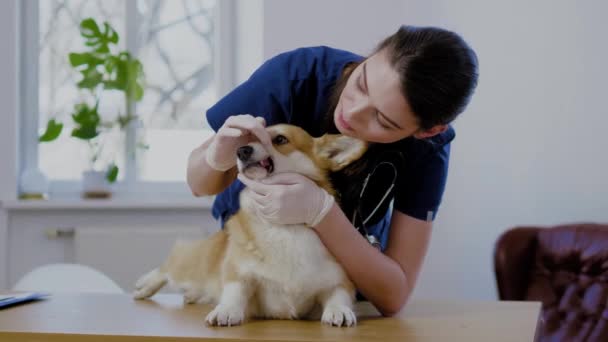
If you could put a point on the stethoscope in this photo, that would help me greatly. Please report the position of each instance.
(371, 238)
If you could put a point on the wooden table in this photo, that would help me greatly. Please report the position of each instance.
(118, 318)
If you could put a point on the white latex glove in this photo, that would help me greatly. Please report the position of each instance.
(289, 198)
(237, 131)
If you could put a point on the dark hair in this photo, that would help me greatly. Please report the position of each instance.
(334, 97)
(438, 71)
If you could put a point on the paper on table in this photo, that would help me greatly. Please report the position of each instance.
(16, 295)
(7, 299)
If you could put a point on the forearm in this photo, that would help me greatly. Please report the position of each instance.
(202, 179)
(378, 277)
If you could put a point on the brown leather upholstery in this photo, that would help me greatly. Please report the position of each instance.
(565, 268)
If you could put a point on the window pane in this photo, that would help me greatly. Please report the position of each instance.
(176, 45)
(177, 49)
(67, 157)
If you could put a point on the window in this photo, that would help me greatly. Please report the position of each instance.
(180, 46)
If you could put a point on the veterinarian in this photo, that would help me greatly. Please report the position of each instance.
(401, 99)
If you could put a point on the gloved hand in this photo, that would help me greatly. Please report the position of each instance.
(289, 198)
(237, 131)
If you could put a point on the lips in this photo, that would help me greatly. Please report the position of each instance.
(343, 122)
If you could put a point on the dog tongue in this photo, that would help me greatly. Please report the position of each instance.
(265, 162)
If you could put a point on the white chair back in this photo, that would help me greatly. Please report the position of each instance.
(56, 278)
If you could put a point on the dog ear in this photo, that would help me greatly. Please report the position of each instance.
(339, 150)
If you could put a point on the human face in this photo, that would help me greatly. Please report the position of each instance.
(371, 106)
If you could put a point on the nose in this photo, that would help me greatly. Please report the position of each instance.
(244, 152)
(359, 111)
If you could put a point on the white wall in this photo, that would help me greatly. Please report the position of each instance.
(531, 148)
(355, 25)
(266, 28)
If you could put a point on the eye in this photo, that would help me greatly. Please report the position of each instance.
(360, 83)
(280, 140)
(382, 124)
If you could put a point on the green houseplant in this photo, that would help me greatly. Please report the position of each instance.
(102, 68)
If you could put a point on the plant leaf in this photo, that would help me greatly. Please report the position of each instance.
(84, 58)
(89, 28)
(87, 63)
(126, 74)
(53, 130)
(138, 92)
(112, 173)
(135, 78)
(85, 132)
(85, 115)
(90, 78)
(118, 77)
(110, 33)
(87, 121)
(96, 39)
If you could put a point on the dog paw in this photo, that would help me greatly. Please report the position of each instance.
(339, 315)
(149, 284)
(225, 316)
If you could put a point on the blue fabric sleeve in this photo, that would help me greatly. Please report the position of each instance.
(266, 93)
(422, 187)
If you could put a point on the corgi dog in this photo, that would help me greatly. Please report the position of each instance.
(256, 269)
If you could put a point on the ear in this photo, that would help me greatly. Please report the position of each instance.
(430, 132)
(339, 150)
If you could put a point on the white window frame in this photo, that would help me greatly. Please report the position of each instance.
(130, 186)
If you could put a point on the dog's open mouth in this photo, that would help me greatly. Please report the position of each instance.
(267, 164)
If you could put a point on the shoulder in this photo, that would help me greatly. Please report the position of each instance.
(417, 150)
(320, 61)
(444, 138)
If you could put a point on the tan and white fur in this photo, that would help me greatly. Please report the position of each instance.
(255, 269)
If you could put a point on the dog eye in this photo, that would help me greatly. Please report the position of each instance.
(280, 140)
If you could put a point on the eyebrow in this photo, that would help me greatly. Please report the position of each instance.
(367, 89)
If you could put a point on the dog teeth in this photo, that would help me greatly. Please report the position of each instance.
(265, 162)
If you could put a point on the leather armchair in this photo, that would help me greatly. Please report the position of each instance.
(564, 267)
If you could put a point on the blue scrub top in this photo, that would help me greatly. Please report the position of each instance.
(294, 87)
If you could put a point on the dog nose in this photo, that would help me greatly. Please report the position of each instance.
(244, 152)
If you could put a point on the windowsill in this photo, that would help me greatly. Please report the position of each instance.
(178, 203)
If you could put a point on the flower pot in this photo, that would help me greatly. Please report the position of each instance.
(33, 184)
(95, 185)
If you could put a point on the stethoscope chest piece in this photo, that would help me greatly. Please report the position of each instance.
(373, 240)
